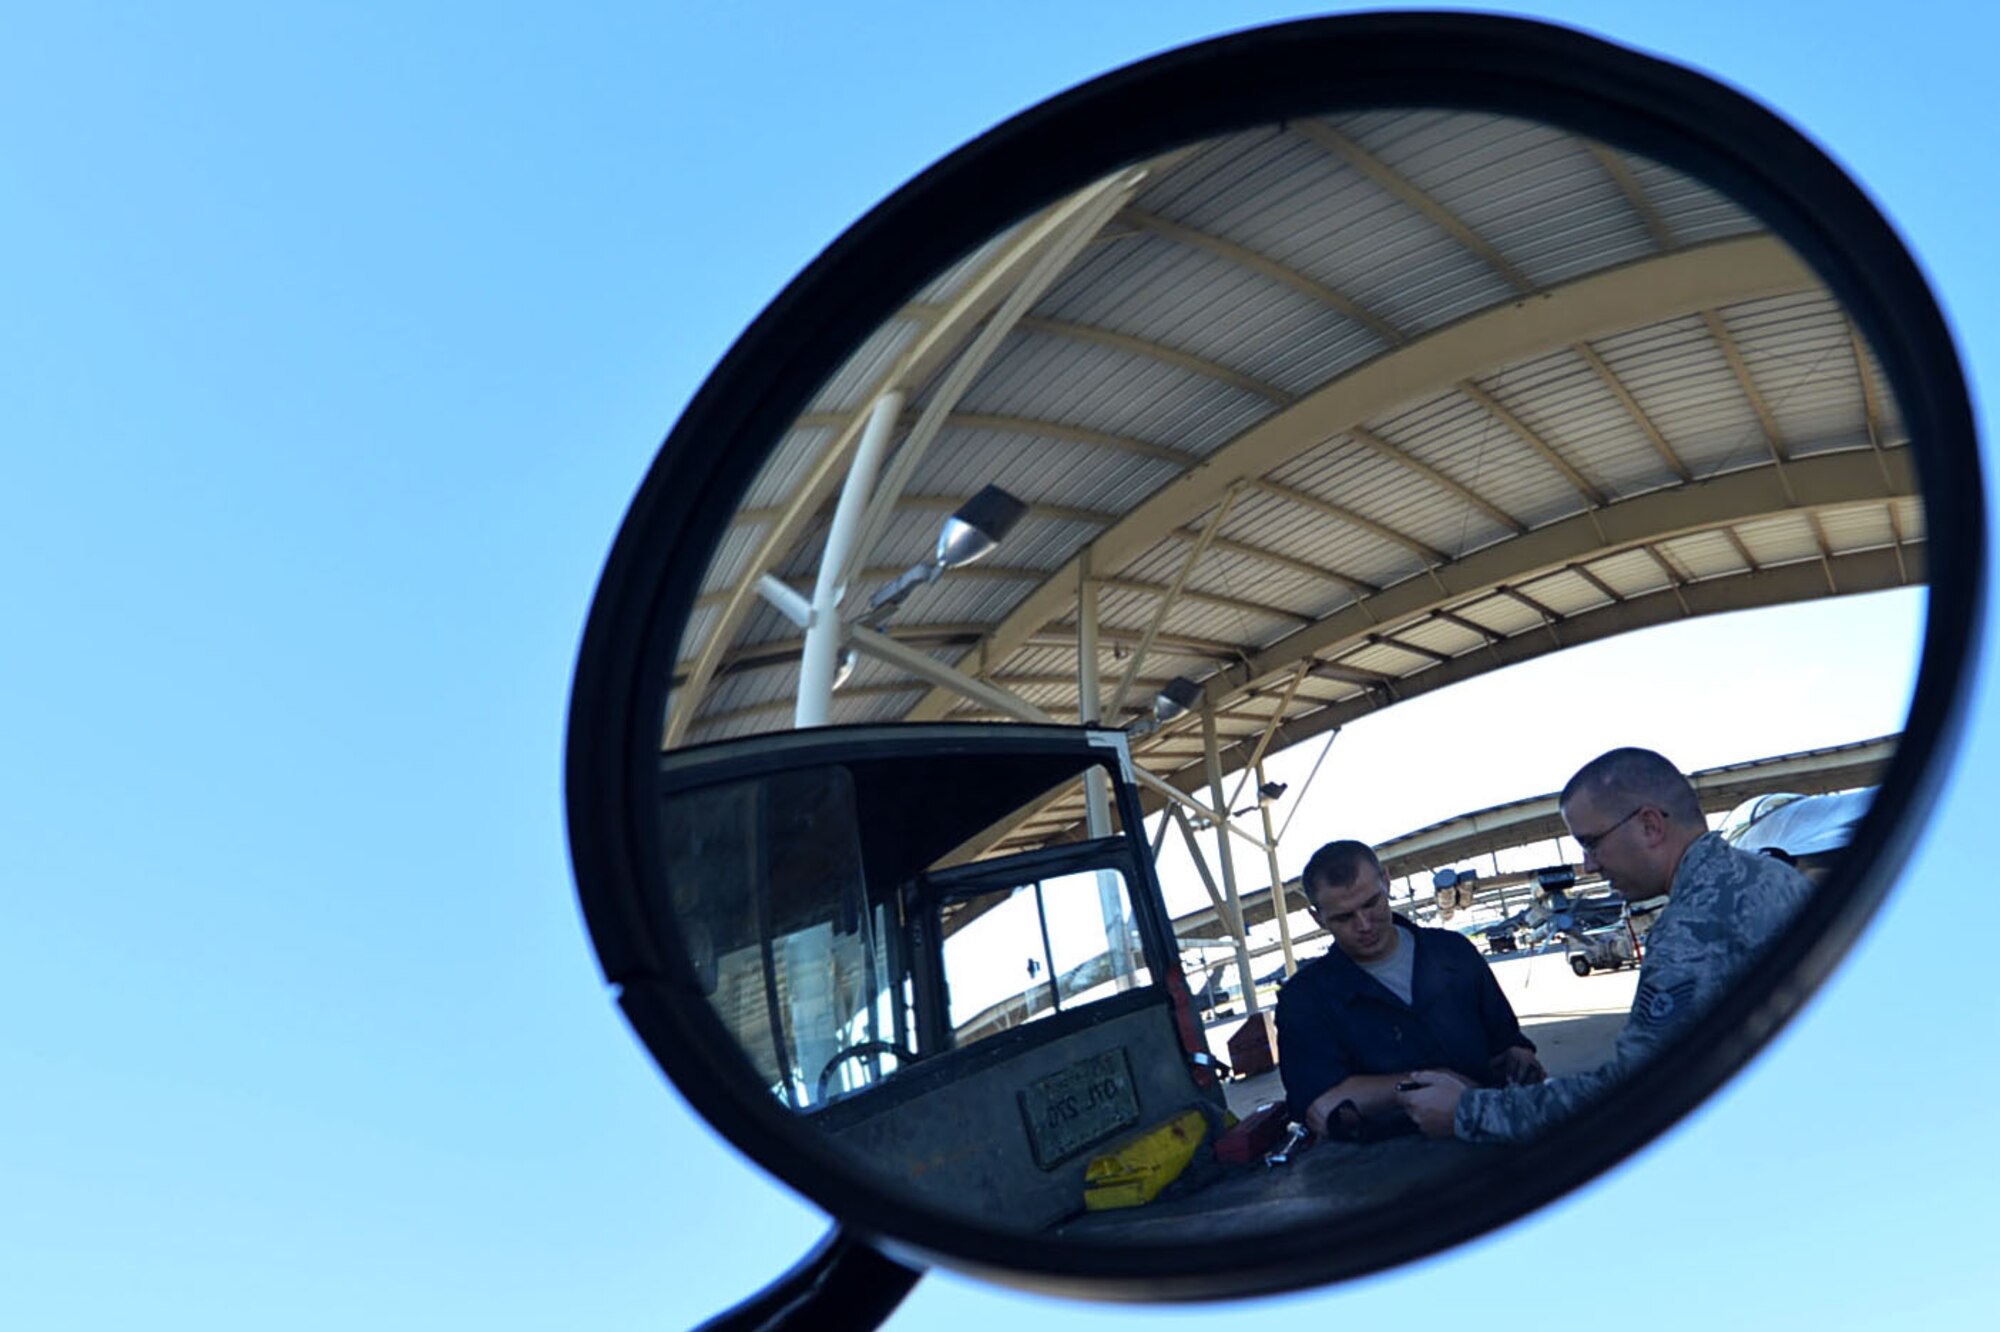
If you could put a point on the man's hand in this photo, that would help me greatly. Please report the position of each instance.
(1433, 1103)
(1516, 1066)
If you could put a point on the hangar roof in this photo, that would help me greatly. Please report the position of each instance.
(1321, 416)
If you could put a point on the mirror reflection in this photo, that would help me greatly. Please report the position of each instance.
(1260, 443)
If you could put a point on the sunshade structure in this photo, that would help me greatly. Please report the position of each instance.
(1319, 416)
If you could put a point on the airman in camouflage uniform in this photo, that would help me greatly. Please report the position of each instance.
(1640, 825)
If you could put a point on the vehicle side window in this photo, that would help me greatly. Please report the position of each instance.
(1036, 948)
(803, 969)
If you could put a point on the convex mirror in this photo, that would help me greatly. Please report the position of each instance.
(1192, 414)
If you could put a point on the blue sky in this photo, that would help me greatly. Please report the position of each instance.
(333, 341)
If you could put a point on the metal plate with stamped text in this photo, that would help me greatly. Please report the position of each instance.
(1079, 1106)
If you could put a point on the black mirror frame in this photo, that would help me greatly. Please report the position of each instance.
(1476, 62)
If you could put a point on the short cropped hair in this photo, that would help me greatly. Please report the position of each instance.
(1336, 865)
(1636, 777)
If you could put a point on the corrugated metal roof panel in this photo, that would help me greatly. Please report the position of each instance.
(1910, 517)
(1311, 535)
(1047, 542)
(1704, 555)
(1504, 615)
(1072, 382)
(1228, 624)
(1333, 543)
(763, 624)
(1039, 470)
(1440, 636)
(701, 623)
(1681, 379)
(1801, 359)
(784, 471)
(1889, 425)
(1123, 608)
(962, 600)
(1457, 436)
(860, 377)
(949, 283)
(1566, 593)
(726, 567)
(801, 559)
(1534, 193)
(1564, 401)
(1045, 659)
(1630, 573)
(1781, 539)
(1385, 659)
(1229, 574)
(748, 688)
(1314, 213)
(1861, 527)
(1693, 212)
(1198, 303)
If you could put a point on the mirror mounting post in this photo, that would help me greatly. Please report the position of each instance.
(843, 1280)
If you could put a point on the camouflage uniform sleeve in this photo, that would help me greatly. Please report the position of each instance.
(1727, 904)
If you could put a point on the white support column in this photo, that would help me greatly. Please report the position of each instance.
(1212, 758)
(785, 600)
(820, 658)
(1097, 797)
(1096, 790)
(1094, 207)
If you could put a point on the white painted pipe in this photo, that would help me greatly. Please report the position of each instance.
(819, 661)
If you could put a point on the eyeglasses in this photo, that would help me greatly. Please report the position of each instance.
(1589, 841)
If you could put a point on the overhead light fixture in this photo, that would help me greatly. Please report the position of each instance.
(1176, 696)
(1271, 790)
(969, 534)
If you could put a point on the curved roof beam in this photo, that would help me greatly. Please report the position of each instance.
(1610, 380)
(1097, 204)
(1826, 479)
(1381, 447)
(1741, 369)
(1396, 183)
(1284, 561)
(1505, 415)
(1345, 515)
(1862, 571)
(1244, 257)
(1157, 351)
(939, 341)
(1628, 185)
(1069, 434)
(1611, 300)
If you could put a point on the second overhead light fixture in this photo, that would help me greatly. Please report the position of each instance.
(969, 534)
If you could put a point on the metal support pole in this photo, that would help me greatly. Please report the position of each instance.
(1096, 789)
(929, 669)
(1278, 907)
(1212, 758)
(1201, 867)
(1186, 801)
(820, 658)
